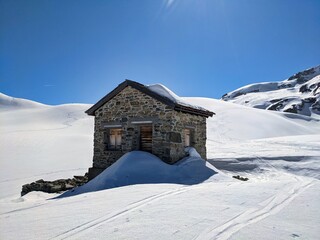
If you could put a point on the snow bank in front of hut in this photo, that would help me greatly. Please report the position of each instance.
(139, 167)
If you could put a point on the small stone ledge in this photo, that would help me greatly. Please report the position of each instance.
(55, 186)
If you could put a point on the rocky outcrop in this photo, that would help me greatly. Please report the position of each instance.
(241, 178)
(55, 186)
(299, 94)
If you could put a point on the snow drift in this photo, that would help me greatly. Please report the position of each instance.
(139, 167)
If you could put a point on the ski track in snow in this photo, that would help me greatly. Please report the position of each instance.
(91, 225)
(268, 207)
(25, 208)
(262, 210)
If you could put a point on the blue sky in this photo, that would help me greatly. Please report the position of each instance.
(77, 51)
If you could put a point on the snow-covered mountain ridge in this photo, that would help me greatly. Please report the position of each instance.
(299, 94)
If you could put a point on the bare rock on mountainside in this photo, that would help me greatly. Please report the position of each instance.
(298, 94)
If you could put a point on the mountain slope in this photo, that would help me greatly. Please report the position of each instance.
(11, 103)
(268, 147)
(299, 94)
(42, 141)
(234, 122)
(57, 141)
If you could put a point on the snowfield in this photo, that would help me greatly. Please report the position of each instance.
(39, 141)
(140, 197)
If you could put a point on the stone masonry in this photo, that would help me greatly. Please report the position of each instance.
(129, 110)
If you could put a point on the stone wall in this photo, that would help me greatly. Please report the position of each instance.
(56, 186)
(130, 109)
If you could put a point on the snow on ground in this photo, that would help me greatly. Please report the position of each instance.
(40, 141)
(139, 167)
(279, 153)
(243, 138)
(234, 122)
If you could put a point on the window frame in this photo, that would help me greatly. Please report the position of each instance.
(117, 132)
(187, 137)
(190, 133)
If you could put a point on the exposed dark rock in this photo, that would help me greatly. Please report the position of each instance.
(285, 85)
(55, 186)
(275, 100)
(302, 77)
(310, 100)
(241, 178)
(304, 88)
(278, 105)
(316, 88)
(293, 109)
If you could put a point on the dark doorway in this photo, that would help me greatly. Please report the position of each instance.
(146, 138)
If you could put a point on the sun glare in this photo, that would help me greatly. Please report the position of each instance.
(169, 3)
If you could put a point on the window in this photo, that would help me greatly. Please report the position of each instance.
(187, 137)
(113, 139)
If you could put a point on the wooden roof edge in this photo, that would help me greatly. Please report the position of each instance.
(191, 110)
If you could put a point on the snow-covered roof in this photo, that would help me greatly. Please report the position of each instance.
(167, 93)
(157, 91)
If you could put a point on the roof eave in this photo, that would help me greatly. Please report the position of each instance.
(193, 111)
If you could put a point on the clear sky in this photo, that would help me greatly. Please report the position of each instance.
(57, 51)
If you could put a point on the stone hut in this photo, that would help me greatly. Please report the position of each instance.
(148, 118)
